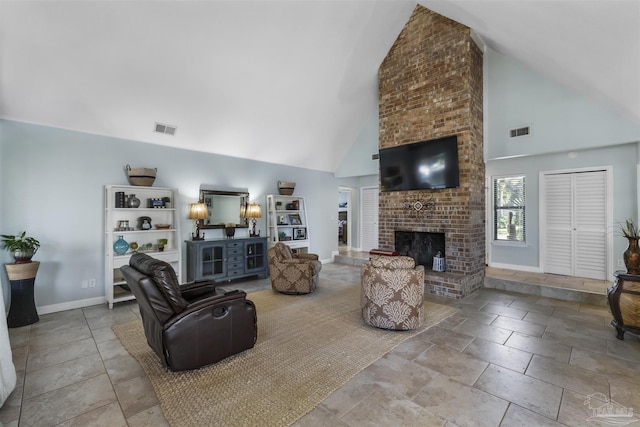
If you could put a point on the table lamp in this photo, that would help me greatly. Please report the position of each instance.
(198, 211)
(253, 211)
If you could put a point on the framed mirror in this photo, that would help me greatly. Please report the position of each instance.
(223, 208)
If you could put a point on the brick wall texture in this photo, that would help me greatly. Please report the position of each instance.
(430, 86)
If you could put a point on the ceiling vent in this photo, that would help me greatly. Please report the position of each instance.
(523, 131)
(167, 129)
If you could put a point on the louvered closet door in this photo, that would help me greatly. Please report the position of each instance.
(575, 229)
(370, 198)
(558, 248)
(590, 223)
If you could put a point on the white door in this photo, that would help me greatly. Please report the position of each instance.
(575, 223)
(370, 198)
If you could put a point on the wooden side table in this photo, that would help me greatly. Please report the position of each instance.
(22, 310)
(624, 302)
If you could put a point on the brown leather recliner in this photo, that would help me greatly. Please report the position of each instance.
(193, 325)
(293, 273)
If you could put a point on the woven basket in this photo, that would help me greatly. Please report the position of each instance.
(141, 176)
(286, 188)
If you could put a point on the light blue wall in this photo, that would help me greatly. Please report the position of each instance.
(560, 119)
(52, 184)
(622, 160)
(358, 160)
(562, 122)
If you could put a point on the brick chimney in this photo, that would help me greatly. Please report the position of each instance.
(430, 86)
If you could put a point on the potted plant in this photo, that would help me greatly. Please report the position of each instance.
(21, 247)
(631, 256)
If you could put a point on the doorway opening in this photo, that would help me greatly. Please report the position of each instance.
(344, 218)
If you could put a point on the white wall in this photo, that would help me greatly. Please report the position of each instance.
(52, 185)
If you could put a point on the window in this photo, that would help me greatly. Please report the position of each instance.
(509, 209)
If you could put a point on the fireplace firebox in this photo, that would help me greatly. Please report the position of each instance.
(420, 245)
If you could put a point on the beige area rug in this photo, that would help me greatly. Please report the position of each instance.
(307, 347)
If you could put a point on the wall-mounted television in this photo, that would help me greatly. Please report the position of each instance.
(420, 165)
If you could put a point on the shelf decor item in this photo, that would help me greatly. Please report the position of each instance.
(120, 246)
(631, 256)
(21, 247)
(286, 188)
(294, 219)
(141, 176)
(119, 199)
(133, 201)
(144, 223)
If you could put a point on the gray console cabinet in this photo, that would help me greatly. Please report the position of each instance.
(226, 259)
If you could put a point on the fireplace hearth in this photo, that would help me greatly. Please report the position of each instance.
(419, 245)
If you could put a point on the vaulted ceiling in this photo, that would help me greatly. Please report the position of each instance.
(288, 82)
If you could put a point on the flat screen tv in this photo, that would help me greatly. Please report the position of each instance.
(420, 165)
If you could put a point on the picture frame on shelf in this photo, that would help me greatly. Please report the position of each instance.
(300, 234)
(294, 219)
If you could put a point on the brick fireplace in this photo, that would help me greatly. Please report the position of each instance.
(430, 86)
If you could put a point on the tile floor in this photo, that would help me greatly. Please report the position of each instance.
(505, 359)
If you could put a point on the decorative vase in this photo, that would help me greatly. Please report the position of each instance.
(133, 201)
(22, 257)
(120, 246)
(230, 231)
(632, 257)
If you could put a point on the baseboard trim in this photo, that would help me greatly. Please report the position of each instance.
(71, 305)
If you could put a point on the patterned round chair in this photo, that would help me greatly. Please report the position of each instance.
(392, 293)
(293, 273)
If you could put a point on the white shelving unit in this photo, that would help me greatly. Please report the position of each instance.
(287, 222)
(164, 213)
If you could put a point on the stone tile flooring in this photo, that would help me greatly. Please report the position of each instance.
(504, 359)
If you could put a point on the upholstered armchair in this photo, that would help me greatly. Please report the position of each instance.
(192, 325)
(293, 273)
(392, 293)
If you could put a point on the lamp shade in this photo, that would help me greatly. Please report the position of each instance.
(198, 211)
(253, 211)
